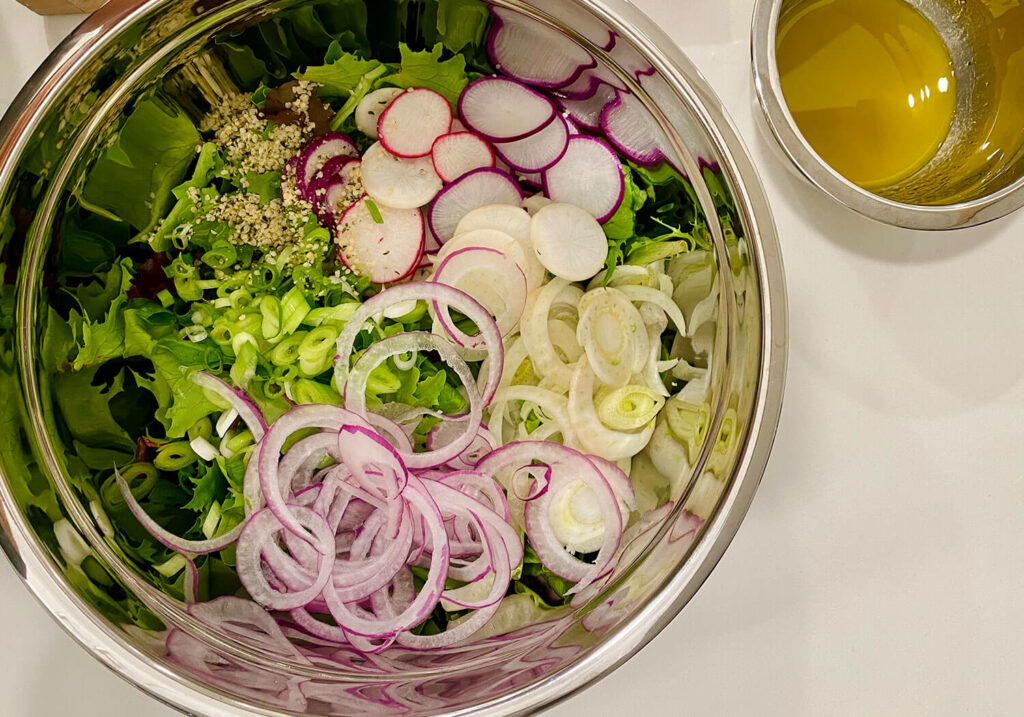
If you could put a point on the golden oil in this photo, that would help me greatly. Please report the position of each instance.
(870, 84)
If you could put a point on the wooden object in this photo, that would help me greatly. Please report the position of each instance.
(62, 7)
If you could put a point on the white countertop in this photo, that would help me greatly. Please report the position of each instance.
(880, 570)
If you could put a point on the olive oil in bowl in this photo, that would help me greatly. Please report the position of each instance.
(869, 83)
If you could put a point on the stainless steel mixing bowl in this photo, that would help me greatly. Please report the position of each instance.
(56, 535)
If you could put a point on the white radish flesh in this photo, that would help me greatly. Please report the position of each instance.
(459, 153)
(535, 203)
(413, 122)
(397, 182)
(474, 190)
(372, 106)
(569, 242)
(503, 110)
(589, 176)
(533, 52)
(503, 217)
(540, 151)
(385, 251)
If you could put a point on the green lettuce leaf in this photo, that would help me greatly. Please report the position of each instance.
(462, 22)
(341, 75)
(133, 178)
(427, 69)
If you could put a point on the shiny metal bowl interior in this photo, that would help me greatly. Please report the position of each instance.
(942, 194)
(55, 129)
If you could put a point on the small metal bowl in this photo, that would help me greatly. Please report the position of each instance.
(940, 196)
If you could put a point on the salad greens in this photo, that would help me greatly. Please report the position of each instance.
(154, 285)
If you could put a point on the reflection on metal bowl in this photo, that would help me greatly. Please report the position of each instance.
(692, 497)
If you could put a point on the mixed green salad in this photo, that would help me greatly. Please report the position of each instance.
(383, 337)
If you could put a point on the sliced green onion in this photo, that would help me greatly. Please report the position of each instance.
(212, 521)
(239, 442)
(629, 408)
(171, 567)
(240, 298)
(374, 211)
(203, 428)
(175, 456)
(294, 308)
(270, 310)
(140, 477)
(337, 315)
(287, 352)
(202, 315)
(221, 255)
(165, 298)
(305, 391)
(317, 350)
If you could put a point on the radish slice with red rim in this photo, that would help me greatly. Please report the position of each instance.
(569, 242)
(316, 155)
(385, 251)
(539, 151)
(397, 182)
(476, 189)
(413, 122)
(630, 127)
(502, 110)
(534, 52)
(587, 111)
(371, 107)
(489, 276)
(459, 153)
(589, 176)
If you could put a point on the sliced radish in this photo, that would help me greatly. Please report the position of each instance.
(569, 242)
(584, 24)
(503, 110)
(397, 182)
(460, 153)
(431, 245)
(631, 127)
(491, 277)
(333, 200)
(587, 112)
(574, 128)
(413, 122)
(474, 190)
(371, 107)
(533, 52)
(316, 155)
(521, 253)
(535, 203)
(506, 218)
(589, 176)
(539, 151)
(385, 251)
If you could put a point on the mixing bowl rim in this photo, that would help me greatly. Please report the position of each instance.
(47, 584)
